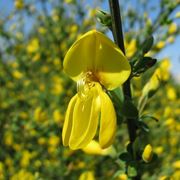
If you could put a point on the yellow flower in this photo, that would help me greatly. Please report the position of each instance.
(172, 28)
(130, 47)
(171, 93)
(53, 140)
(42, 141)
(164, 178)
(40, 115)
(36, 57)
(26, 157)
(87, 175)
(8, 138)
(33, 46)
(96, 63)
(23, 174)
(17, 74)
(176, 175)
(176, 164)
(160, 44)
(177, 14)
(57, 116)
(170, 39)
(170, 122)
(159, 150)
(94, 148)
(1, 170)
(122, 177)
(19, 4)
(42, 30)
(68, 1)
(147, 153)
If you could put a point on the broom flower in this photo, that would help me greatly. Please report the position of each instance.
(97, 65)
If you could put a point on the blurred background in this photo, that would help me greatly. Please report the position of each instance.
(34, 91)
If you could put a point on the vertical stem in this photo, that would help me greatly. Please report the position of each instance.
(118, 37)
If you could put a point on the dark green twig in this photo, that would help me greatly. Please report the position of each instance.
(118, 37)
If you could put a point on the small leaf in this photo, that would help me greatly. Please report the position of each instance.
(143, 126)
(132, 171)
(125, 157)
(147, 116)
(148, 44)
(129, 109)
(104, 18)
(117, 173)
(144, 64)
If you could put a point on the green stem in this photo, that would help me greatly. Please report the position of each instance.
(118, 37)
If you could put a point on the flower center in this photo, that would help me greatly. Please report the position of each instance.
(86, 82)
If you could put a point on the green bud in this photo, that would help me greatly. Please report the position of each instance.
(104, 18)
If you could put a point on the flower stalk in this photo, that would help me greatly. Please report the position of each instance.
(118, 37)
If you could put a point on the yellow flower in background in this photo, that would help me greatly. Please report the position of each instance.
(8, 138)
(170, 122)
(159, 150)
(147, 153)
(17, 74)
(68, 1)
(53, 140)
(42, 140)
(74, 28)
(172, 28)
(25, 159)
(33, 45)
(177, 14)
(57, 116)
(19, 4)
(1, 171)
(42, 30)
(94, 148)
(36, 57)
(130, 47)
(160, 44)
(170, 39)
(176, 164)
(165, 178)
(171, 93)
(87, 175)
(122, 177)
(40, 115)
(95, 63)
(23, 174)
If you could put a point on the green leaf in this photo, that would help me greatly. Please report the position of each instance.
(143, 126)
(118, 173)
(148, 44)
(117, 98)
(147, 116)
(125, 157)
(104, 18)
(131, 170)
(144, 64)
(129, 109)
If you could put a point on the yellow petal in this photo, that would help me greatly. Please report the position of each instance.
(68, 121)
(85, 119)
(79, 57)
(107, 121)
(96, 53)
(112, 67)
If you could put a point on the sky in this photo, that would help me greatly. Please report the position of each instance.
(171, 51)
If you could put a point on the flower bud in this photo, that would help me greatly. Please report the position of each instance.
(147, 153)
